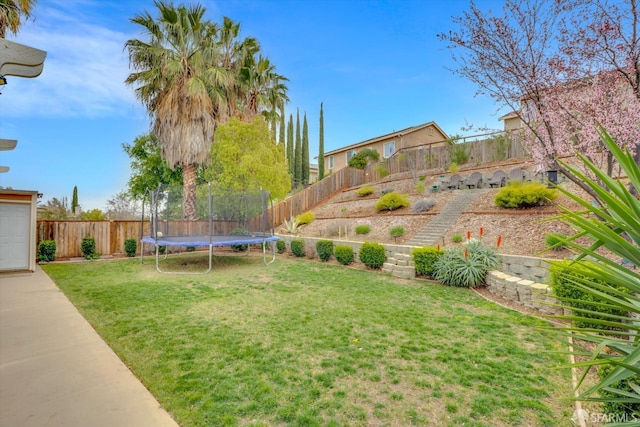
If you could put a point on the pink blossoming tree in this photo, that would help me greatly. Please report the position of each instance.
(564, 67)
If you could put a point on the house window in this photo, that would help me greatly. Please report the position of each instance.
(529, 113)
(330, 162)
(389, 149)
(350, 154)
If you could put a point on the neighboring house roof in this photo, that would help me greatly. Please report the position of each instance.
(385, 137)
(511, 115)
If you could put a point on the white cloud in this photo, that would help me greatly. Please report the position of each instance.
(84, 71)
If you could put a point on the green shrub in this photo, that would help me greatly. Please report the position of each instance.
(465, 267)
(563, 276)
(362, 229)
(420, 187)
(88, 247)
(423, 205)
(305, 218)
(372, 254)
(297, 247)
(620, 410)
(365, 191)
(456, 238)
(518, 195)
(396, 231)
(424, 259)
(459, 151)
(281, 246)
(324, 248)
(130, 247)
(453, 167)
(382, 171)
(239, 232)
(361, 159)
(47, 251)
(344, 254)
(392, 201)
(554, 241)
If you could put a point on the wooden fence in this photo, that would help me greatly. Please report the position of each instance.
(438, 158)
(111, 235)
(317, 193)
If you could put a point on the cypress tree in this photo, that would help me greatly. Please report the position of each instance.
(297, 176)
(74, 199)
(321, 146)
(305, 150)
(290, 153)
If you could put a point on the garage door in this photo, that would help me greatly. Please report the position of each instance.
(14, 236)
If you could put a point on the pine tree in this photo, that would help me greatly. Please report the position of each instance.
(74, 200)
(297, 176)
(290, 153)
(305, 150)
(321, 146)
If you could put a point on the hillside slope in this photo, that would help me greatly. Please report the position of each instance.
(522, 231)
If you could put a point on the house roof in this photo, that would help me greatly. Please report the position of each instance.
(511, 115)
(387, 136)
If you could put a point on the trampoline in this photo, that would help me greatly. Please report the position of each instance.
(236, 219)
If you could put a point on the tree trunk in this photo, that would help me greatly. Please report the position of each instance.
(189, 193)
(575, 180)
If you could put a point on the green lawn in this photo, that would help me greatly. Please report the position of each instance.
(303, 343)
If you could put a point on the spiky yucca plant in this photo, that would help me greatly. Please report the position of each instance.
(612, 223)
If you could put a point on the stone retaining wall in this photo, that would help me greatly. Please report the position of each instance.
(537, 296)
(530, 268)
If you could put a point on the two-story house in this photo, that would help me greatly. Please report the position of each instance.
(412, 138)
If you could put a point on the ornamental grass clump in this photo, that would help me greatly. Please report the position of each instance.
(423, 205)
(362, 229)
(555, 241)
(465, 267)
(392, 201)
(397, 231)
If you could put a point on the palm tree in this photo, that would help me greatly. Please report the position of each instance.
(11, 14)
(236, 54)
(179, 79)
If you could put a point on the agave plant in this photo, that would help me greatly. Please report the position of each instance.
(291, 226)
(612, 223)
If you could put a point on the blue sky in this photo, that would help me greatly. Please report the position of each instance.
(377, 66)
